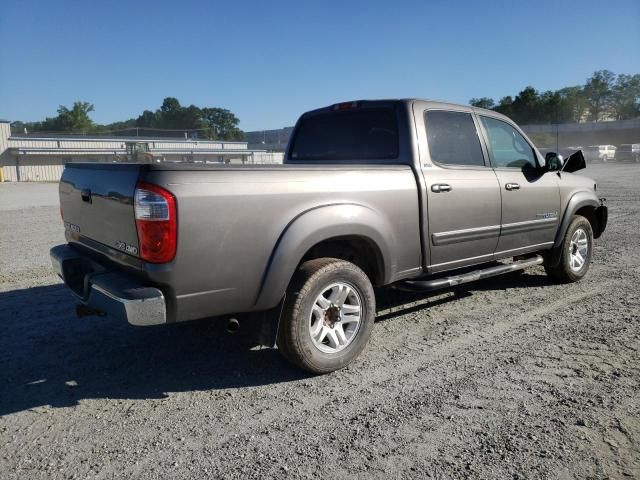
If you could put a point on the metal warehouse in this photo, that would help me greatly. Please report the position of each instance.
(41, 159)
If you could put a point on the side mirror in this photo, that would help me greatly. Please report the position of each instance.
(553, 162)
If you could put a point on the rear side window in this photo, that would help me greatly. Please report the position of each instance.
(366, 134)
(453, 139)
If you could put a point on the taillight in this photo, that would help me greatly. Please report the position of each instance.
(156, 222)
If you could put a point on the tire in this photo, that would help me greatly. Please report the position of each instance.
(305, 314)
(578, 235)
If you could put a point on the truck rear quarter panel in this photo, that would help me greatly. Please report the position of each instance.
(230, 222)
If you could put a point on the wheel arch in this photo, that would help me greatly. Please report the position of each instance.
(581, 203)
(323, 231)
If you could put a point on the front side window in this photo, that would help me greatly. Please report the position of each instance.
(452, 138)
(507, 146)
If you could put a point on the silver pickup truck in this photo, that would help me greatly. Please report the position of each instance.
(416, 194)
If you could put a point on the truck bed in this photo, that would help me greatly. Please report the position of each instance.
(232, 219)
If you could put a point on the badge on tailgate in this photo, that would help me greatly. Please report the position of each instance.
(130, 249)
(71, 227)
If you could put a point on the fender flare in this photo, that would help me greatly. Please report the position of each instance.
(317, 225)
(577, 201)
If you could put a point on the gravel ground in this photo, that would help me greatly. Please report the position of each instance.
(512, 377)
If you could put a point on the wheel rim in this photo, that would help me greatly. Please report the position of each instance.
(578, 250)
(335, 317)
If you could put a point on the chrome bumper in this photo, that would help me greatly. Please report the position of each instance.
(105, 291)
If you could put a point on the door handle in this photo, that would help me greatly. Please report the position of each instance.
(440, 187)
(86, 195)
(512, 186)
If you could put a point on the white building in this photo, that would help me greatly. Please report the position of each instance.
(33, 159)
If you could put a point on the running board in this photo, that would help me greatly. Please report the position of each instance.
(453, 280)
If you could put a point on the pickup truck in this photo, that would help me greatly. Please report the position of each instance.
(415, 194)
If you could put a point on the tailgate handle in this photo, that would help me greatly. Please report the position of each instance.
(86, 195)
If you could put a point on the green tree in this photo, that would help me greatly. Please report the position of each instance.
(148, 119)
(123, 125)
(482, 102)
(75, 119)
(548, 107)
(213, 123)
(573, 104)
(598, 92)
(505, 106)
(626, 97)
(170, 114)
(221, 124)
(526, 106)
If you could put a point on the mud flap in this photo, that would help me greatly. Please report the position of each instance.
(262, 327)
(602, 215)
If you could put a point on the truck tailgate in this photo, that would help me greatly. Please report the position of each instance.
(96, 201)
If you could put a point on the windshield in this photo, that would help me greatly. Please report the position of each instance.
(347, 135)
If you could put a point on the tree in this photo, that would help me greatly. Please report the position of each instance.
(222, 124)
(525, 107)
(625, 97)
(148, 119)
(548, 108)
(75, 119)
(170, 114)
(482, 102)
(123, 125)
(604, 95)
(598, 92)
(213, 123)
(573, 104)
(505, 106)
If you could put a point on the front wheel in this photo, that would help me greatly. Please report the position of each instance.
(328, 315)
(575, 252)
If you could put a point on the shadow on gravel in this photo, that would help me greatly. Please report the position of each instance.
(402, 303)
(48, 357)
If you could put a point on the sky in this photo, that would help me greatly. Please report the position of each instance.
(268, 62)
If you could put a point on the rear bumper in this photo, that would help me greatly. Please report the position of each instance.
(106, 291)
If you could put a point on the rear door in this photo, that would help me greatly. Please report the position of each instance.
(530, 196)
(463, 195)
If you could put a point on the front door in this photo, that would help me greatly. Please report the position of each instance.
(463, 195)
(530, 196)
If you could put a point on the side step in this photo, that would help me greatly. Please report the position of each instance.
(453, 280)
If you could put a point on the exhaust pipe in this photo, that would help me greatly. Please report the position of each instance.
(85, 311)
(233, 325)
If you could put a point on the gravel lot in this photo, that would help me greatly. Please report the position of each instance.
(512, 377)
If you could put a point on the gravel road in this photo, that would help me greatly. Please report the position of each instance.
(512, 377)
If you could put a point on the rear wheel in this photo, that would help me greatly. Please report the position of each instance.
(328, 315)
(575, 252)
